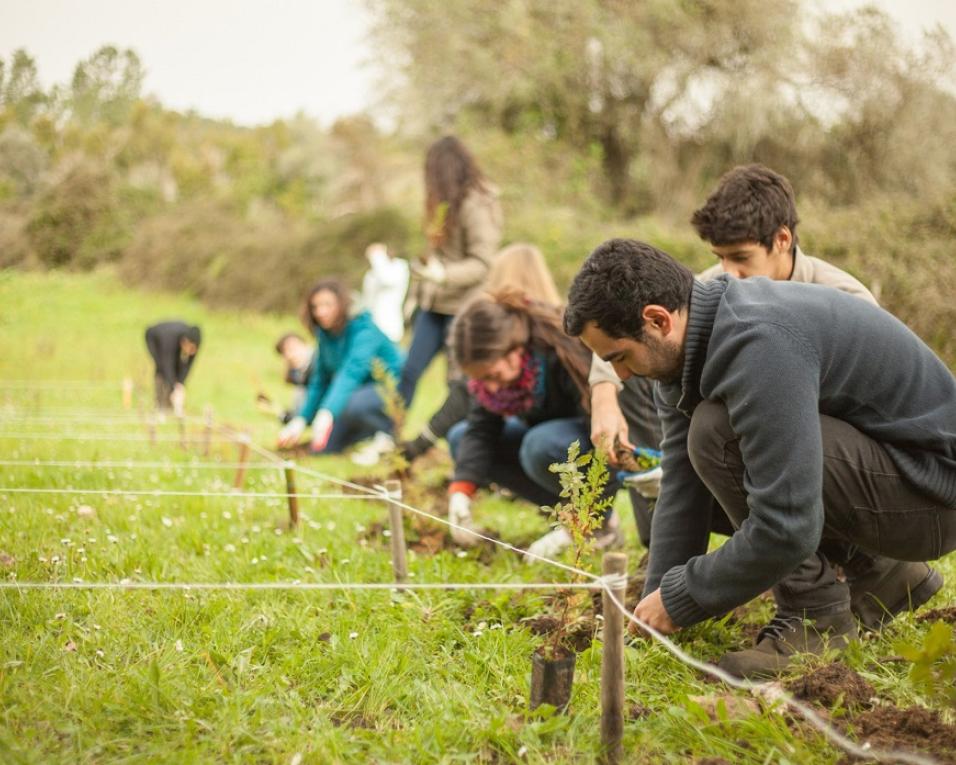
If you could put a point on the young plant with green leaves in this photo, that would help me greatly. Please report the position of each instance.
(583, 478)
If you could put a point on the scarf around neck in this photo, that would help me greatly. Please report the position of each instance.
(515, 398)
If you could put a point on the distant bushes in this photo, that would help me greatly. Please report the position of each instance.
(263, 261)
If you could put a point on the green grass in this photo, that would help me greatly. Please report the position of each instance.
(279, 676)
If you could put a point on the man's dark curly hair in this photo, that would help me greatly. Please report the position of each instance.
(751, 203)
(615, 283)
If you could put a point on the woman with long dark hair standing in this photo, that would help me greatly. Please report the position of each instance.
(463, 226)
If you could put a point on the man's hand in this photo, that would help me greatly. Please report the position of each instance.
(651, 611)
(178, 399)
(321, 430)
(607, 420)
(290, 434)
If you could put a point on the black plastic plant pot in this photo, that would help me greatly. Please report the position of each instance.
(551, 681)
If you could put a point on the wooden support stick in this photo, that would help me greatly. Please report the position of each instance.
(393, 491)
(127, 393)
(290, 490)
(151, 427)
(612, 661)
(243, 459)
(207, 432)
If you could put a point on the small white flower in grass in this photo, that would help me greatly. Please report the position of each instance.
(296, 759)
(203, 515)
(344, 561)
(125, 580)
(277, 532)
(495, 627)
(41, 558)
(65, 542)
(83, 559)
(100, 653)
(85, 511)
(91, 540)
(179, 646)
(133, 537)
(112, 538)
(227, 515)
(55, 559)
(262, 557)
(80, 550)
(256, 528)
(137, 571)
(77, 580)
(167, 522)
(461, 554)
(330, 525)
(353, 635)
(359, 528)
(229, 548)
(244, 540)
(97, 627)
(522, 751)
(60, 616)
(254, 561)
(386, 532)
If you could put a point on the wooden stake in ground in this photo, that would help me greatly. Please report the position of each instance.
(127, 393)
(393, 494)
(612, 659)
(151, 427)
(289, 468)
(243, 459)
(207, 432)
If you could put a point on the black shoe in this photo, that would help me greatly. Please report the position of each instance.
(881, 588)
(786, 636)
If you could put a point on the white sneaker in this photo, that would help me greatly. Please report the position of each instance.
(371, 453)
(549, 546)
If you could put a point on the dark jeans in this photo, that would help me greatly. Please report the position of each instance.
(428, 339)
(163, 392)
(869, 508)
(523, 455)
(364, 415)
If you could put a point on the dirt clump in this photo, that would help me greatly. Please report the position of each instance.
(947, 614)
(831, 683)
(914, 728)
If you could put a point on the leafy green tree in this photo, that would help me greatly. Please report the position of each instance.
(106, 85)
(20, 91)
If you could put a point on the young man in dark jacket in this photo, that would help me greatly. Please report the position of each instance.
(173, 346)
(824, 428)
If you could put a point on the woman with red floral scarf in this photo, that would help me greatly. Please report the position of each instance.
(528, 385)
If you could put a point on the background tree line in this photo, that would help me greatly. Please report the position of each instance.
(594, 118)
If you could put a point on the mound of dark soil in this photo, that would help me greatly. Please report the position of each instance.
(947, 614)
(914, 728)
(827, 685)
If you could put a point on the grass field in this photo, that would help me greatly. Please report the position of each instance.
(284, 676)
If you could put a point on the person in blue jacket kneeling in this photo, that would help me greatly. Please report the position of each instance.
(342, 402)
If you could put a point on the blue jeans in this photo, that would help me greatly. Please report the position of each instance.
(428, 338)
(363, 416)
(523, 455)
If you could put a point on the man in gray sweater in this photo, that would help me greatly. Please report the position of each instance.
(820, 424)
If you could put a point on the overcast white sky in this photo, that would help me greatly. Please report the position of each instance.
(249, 60)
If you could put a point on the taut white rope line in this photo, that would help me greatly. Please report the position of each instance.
(299, 586)
(164, 437)
(167, 493)
(774, 692)
(100, 421)
(59, 385)
(133, 465)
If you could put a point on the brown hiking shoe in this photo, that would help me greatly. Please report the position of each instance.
(886, 587)
(786, 636)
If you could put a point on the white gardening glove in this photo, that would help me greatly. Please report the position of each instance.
(321, 430)
(459, 514)
(178, 399)
(549, 546)
(291, 433)
(431, 271)
(646, 483)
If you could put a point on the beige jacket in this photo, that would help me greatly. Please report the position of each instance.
(806, 269)
(466, 256)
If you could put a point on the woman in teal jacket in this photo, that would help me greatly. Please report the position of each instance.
(342, 402)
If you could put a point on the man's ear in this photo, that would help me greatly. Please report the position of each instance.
(783, 239)
(657, 319)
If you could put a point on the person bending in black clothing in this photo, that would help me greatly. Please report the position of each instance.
(173, 346)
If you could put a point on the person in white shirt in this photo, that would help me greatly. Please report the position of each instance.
(383, 290)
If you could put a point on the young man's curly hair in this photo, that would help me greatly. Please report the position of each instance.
(751, 203)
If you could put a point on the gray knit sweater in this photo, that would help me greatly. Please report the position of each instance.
(778, 354)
